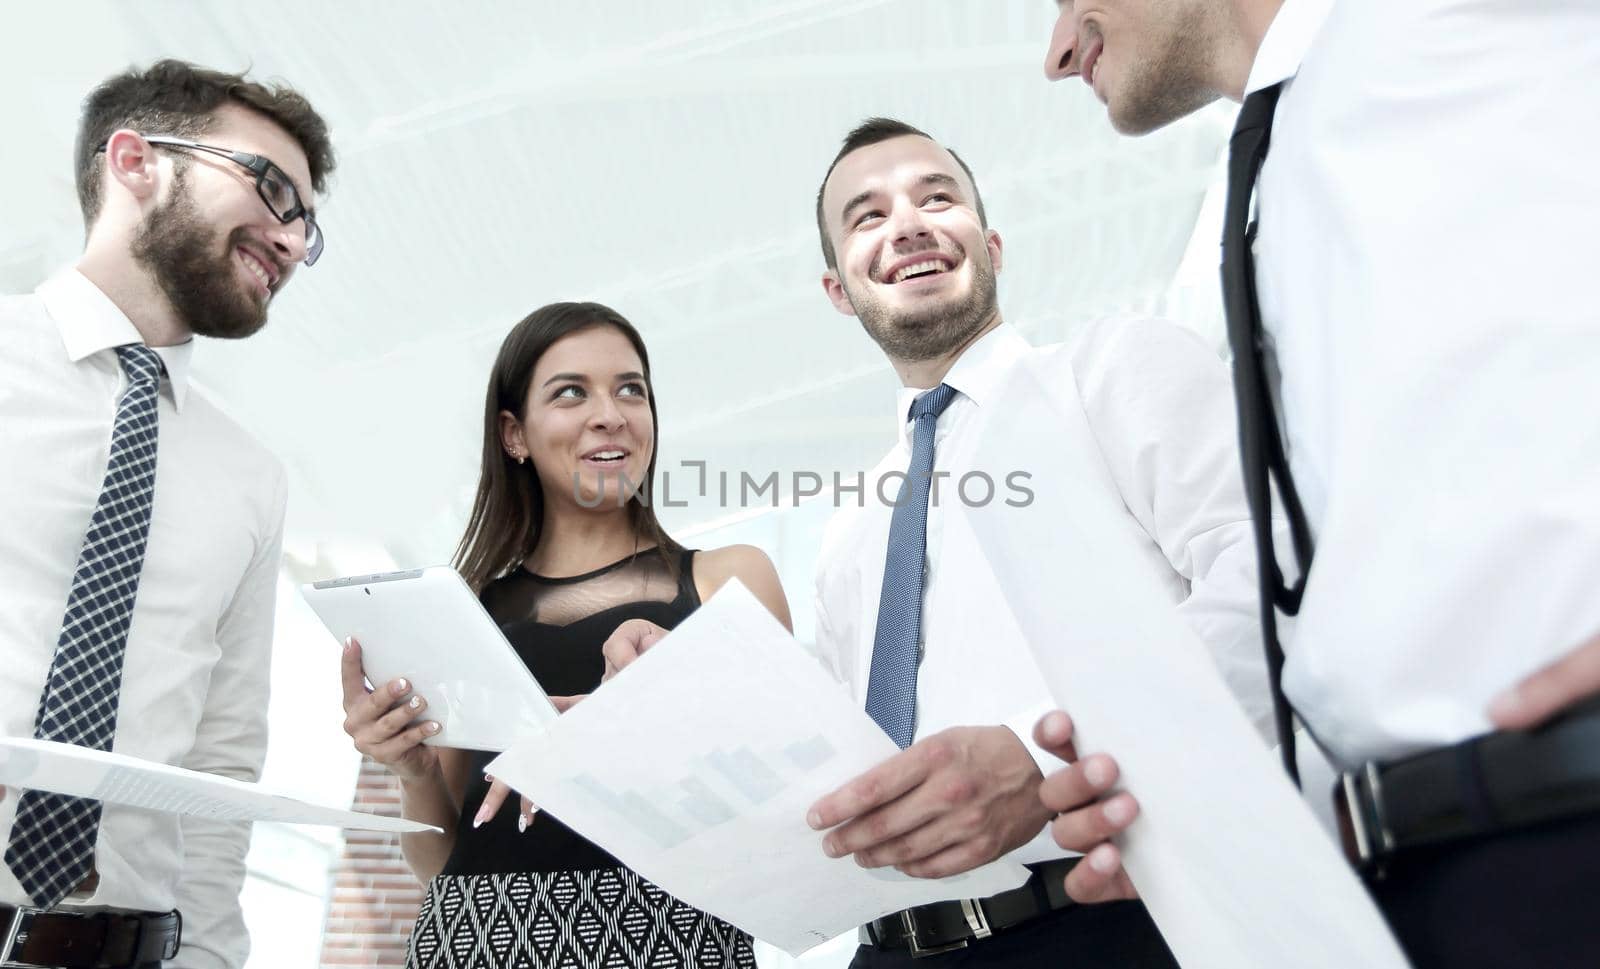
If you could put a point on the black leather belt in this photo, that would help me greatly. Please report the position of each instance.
(930, 929)
(1493, 783)
(92, 940)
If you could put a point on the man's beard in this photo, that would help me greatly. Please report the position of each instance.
(1171, 83)
(196, 274)
(932, 331)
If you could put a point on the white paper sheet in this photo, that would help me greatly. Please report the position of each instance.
(1231, 863)
(118, 779)
(697, 765)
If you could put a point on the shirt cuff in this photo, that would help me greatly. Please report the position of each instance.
(1022, 724)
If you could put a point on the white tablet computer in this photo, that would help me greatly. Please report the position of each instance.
(427, 626)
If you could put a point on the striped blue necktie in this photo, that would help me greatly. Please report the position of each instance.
(896, 647)
(51, 850)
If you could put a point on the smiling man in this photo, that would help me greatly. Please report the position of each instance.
(1408, 264)
(908, 615)
(142, 527)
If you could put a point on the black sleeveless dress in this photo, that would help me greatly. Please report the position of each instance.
(547, 897)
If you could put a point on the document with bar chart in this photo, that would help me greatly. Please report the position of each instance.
(697, 764)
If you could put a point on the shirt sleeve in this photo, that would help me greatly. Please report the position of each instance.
(231, 740)
(1160, 403)
(828, 648)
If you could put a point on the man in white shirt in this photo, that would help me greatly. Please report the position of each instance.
(142, 526)
(1419, 338)
(910, 254)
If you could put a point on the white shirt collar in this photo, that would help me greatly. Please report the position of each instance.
(1286, 42)
(976, 374)
(90, 322)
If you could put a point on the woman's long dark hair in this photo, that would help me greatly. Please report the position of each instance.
(508, 511)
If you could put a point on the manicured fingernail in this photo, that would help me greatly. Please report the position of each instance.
(483, 815)
(522, 823)
(349, 643)
(830, 848)
(814, 818)
(401, 686)
(416, 702)
(1118, 811)
(432, 726)
(1096, 772)
(1102, 862)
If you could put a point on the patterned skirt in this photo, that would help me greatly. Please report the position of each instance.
(567, 920)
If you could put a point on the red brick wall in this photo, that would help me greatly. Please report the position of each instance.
(375, 896)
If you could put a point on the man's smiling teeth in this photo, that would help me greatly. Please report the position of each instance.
(927, 266)
(254, 265)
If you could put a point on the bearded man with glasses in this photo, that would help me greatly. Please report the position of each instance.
(142, 526)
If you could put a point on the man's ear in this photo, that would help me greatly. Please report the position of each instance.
(132, 163)
(996, 248)
(836, 294)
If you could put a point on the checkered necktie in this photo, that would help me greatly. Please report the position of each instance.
(892, 685)
(52, 840)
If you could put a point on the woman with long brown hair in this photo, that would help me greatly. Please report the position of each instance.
(562, 546)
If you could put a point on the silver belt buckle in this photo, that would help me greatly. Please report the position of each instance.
(17, 934)
(1374, 840)
(170, 951)
(971, 909)
(976, 920)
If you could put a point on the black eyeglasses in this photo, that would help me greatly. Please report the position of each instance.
(272, 184)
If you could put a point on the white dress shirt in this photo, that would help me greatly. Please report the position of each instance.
(195, 674)
(1159, 404)
(1426, 264)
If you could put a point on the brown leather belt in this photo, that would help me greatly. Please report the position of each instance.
(1480, 787)
(59, 939)
(942, 926)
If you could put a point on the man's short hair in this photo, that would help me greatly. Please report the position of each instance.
(870, 132)
(172, 97)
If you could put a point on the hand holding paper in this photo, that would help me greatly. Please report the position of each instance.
(499, 790)
(1090, 814)
(697, 769)
(948, 803)
(1234, 869)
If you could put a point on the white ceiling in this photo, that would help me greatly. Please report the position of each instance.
(660, 156)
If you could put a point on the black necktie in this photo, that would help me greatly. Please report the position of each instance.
(1260, 444)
